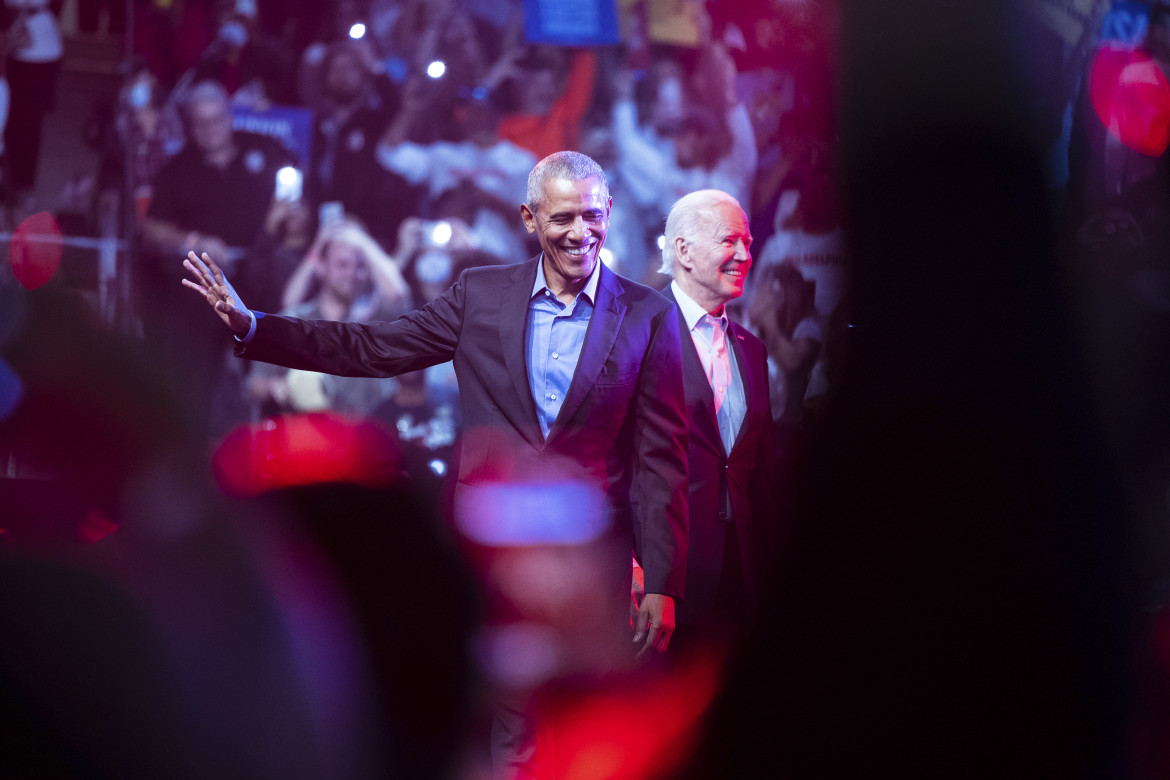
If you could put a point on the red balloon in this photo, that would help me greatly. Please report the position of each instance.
(35, 250)
(1132, 98)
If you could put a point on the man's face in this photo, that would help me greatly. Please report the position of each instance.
(711, 265)
(341, 272)
(210, 123)
(570, 223)
(345, 77)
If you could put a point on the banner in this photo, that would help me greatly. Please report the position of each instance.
(291, 125)
(583, 23)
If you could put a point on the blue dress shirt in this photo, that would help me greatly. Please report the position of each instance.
(556, 333)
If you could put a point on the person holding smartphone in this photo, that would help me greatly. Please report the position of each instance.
(215, 193)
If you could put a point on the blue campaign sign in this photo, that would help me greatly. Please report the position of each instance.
(290, 125)
(581, 23)
(1125, 22)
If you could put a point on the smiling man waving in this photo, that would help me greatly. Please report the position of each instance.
(566, 371)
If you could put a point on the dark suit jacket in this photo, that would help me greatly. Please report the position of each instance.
(735, 486)
(622, 426)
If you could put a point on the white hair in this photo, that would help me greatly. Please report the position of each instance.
(685, 217)
(205, 92)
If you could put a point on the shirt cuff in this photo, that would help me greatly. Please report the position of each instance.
(251, 329)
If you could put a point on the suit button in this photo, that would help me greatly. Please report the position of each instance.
(721, 517)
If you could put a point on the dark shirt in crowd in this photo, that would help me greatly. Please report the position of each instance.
(230, 203)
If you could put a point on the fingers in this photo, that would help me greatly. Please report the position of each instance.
(197, 288)
(198, 270)
(645, 632)
(215, 272)
(657, 639)
(654, 624)
(663, 642)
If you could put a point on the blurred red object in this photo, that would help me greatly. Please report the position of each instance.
(644, 729)
(305, 449)
(96, 526)
(35, 250)
(1132, 98)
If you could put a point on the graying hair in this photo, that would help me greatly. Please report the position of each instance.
(205, 92)
(572, 166)
(686, 216)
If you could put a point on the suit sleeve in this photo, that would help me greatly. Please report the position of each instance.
(417, 339)
(659, 490)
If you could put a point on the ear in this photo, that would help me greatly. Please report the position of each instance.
(528, 217)
(682, 257)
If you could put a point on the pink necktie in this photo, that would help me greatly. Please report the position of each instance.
(719, 373)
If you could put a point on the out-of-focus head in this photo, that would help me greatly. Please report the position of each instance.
(540, 86)
(141, 89)
(702, 139)
(479, 116)
(666, 99)
(567, 207)
(714, 77)
(708, 247)
(791, 299)
(237, 20)
(209, 117)
(342, 269)
(298, 221)
(343, 72)
(1158, 32)
(345, 257)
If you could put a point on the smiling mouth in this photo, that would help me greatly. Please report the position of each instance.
(577, 251)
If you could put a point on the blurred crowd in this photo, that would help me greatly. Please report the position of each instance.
(414, 126)
(422, 120)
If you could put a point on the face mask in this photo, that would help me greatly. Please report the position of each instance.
(138, 95)
(233, 34)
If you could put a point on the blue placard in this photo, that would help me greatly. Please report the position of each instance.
(581, 23)
(291, 125)
(1126, 22)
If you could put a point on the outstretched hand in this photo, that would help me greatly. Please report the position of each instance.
(210, 282)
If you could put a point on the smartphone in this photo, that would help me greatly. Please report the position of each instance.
(289, 183)
(437, 234)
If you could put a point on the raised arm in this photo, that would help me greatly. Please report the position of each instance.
(209, 281)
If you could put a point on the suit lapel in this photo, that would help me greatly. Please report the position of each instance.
(604, 323)
(694, 374)
(514, 345)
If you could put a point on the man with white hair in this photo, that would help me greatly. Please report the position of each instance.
(216, 192)
(213, 195)
(725, 376)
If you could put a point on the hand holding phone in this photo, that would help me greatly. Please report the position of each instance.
(290, 183)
